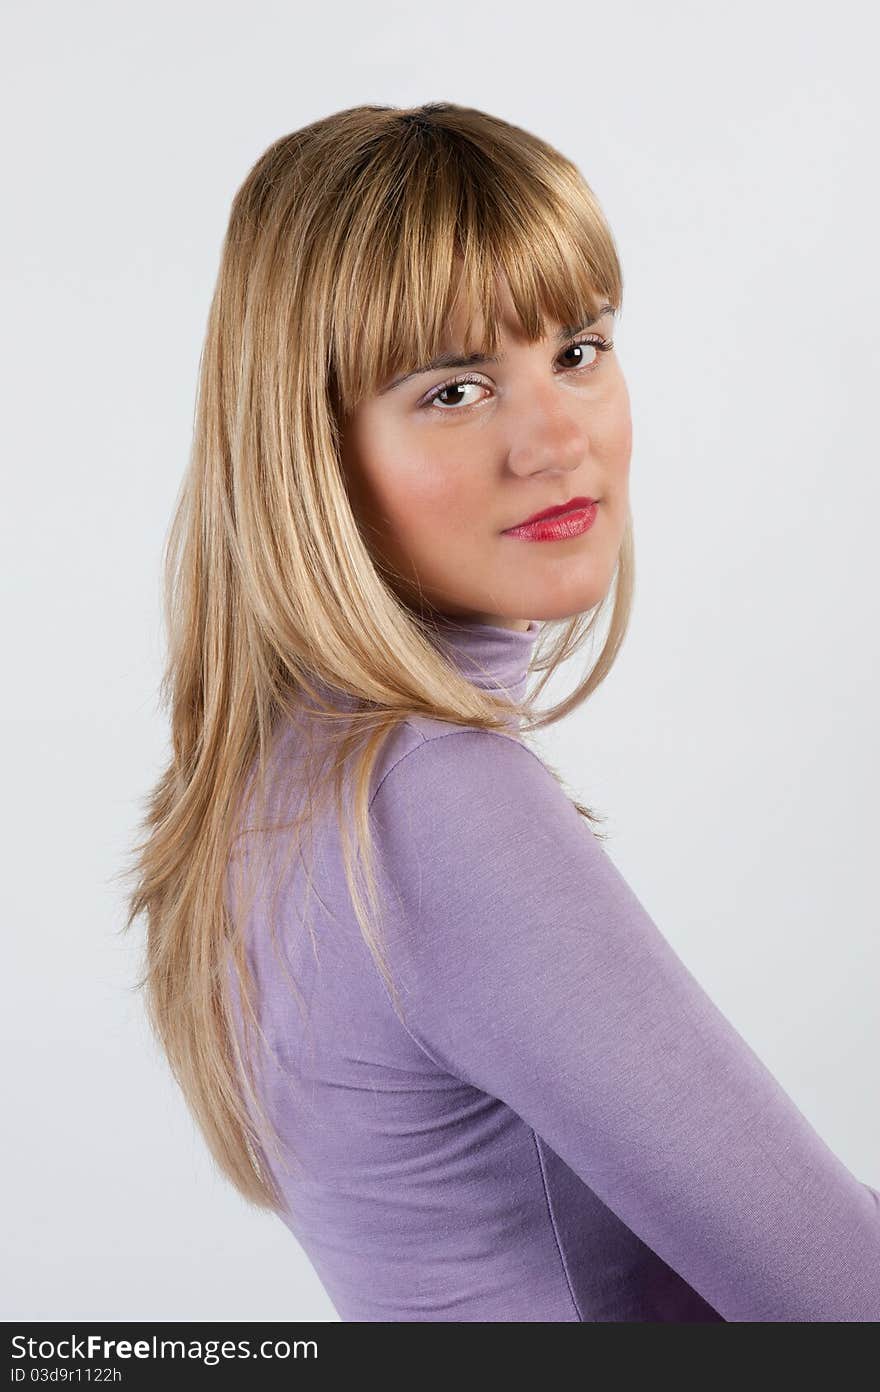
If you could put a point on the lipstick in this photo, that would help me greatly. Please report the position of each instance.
(558, 523)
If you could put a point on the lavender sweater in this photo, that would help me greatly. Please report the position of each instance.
(568, 1128)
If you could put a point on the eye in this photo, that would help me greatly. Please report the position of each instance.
(596, 341)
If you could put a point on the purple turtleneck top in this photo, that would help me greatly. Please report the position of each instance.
(566, 1127)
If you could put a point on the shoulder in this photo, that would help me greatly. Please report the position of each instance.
(492, 775)
(482, 847)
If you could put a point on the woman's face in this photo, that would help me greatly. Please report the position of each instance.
(438, 472)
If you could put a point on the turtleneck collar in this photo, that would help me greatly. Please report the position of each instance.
(491, 657)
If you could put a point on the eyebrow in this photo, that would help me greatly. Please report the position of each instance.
(453, 360)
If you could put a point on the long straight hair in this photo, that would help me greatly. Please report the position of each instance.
(339, 267)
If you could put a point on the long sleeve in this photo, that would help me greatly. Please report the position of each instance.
(530, 970)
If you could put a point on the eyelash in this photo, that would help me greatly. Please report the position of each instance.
(594, 340)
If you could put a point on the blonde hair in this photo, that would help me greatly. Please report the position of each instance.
(338, 269)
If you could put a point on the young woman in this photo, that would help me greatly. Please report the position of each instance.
(413, 1005)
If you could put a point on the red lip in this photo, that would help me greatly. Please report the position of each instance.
(571, 506)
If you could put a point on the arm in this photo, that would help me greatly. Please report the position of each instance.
(530, 970)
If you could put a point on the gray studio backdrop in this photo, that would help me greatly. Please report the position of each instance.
(734, 747)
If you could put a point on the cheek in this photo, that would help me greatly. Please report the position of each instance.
(623, 448)
(418, 489)
(615, 437)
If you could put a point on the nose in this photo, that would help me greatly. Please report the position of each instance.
(545, 437)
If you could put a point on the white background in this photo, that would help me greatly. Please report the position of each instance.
(734, 746)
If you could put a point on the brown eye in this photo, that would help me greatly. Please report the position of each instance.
(450, 387)
(602, 345)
